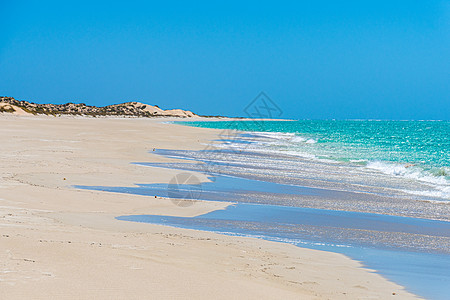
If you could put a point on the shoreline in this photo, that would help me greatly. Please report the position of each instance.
(57, 234)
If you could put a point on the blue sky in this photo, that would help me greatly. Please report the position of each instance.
(315, 59)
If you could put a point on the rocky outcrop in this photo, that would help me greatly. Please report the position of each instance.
(135, 109)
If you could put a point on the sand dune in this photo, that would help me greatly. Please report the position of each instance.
(12, 109)
(128, 109)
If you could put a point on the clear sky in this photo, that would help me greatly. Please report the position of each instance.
(315, 59)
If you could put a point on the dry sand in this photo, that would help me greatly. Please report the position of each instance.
(60, 242)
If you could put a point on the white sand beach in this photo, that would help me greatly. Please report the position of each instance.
(64, 243)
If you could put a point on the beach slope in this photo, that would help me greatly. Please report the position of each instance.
(60, 242)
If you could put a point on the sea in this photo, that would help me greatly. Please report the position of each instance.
(416, 151)
(377, 191)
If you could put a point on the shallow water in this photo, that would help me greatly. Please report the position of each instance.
(413, 252)
(423, 273)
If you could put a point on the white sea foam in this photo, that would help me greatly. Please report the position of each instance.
(269, 150)
(273, 135)
(298, 139)
(387, 168)
(285, 136)
(274, 143)
(358, 160)
(440, 186)
(407, 171)
(280, 143)
(439, 191)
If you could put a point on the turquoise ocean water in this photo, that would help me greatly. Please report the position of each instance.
(418, 151)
